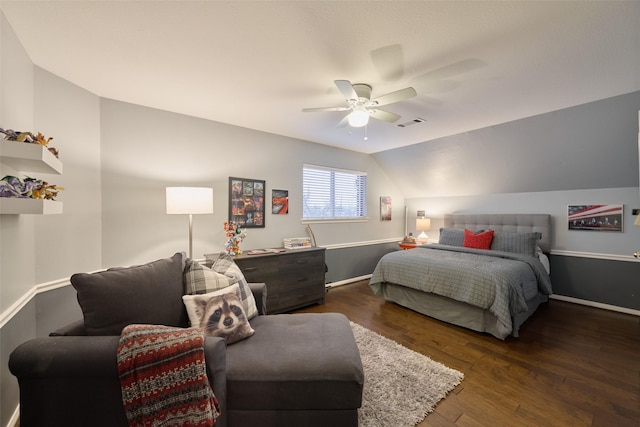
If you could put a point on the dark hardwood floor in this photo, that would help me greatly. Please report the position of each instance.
(572, 365)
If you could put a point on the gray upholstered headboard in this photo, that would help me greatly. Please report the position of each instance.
(504, 222)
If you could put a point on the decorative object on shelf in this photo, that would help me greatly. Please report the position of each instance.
(297, 242)
(30, 188)
(409, 239)
(595, 217)
(280, 202)
(246, 202)
(385, 208)
(422, 224)
(28, 137)
(190, 201)
(235, 236)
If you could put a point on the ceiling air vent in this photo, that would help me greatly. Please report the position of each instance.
(411, 122)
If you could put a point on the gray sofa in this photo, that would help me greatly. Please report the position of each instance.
(295, 370)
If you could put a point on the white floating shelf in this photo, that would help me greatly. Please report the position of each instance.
(28, 157)
(10, 205)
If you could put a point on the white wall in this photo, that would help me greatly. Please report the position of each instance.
(145, 150)
(36, 249)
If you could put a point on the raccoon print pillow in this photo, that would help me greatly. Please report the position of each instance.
(220, 314)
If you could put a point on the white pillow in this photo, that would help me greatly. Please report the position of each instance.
(219, 313)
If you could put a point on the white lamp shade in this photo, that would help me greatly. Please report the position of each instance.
(637, 221)
(358, 118)
(423, 224)
(189, 200)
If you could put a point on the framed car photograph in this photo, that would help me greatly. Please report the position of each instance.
(595, 217)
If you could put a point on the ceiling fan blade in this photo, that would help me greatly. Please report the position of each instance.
(396, 96)
(388, 61)
(307, 110)
(343, 122)
(346, 88)
(384, 115)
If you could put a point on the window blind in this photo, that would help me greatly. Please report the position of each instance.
(330, 193)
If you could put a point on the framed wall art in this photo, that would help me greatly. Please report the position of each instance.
(246, 202)
(595, 217)
(280, 202)
(385, 208)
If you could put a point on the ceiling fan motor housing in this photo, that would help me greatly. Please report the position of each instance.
(362, 90)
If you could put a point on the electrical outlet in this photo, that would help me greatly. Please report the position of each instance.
(635, 211)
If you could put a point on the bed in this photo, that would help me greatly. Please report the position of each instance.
(492, 290)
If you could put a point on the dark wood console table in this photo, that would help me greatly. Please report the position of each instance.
(294, 278)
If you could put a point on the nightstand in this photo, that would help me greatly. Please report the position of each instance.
(405, 246)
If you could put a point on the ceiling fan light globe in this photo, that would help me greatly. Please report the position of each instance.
(358, 118)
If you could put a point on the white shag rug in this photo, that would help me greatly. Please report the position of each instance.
(401, 386)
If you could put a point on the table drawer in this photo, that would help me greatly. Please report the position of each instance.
(300, 278)
(302, 260)
(295, 299)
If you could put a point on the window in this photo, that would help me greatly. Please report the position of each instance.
(333, 194)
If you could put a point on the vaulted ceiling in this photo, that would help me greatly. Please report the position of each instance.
(257, 64)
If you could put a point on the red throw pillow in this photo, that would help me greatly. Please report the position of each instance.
(477, 241)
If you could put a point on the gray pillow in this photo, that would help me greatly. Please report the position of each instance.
(521, 243)
(451, 237)
(146, 294)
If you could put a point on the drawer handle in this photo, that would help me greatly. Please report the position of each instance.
(301, 261)
(301, 279)
(251, 269)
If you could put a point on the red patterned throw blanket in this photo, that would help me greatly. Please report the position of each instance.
(164, 378)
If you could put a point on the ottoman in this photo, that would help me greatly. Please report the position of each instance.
(296, 370)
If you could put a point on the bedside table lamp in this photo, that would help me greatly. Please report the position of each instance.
(422, 224)
(189, 201)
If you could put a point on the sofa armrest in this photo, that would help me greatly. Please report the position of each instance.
(72, 329)
(215, 354)
(259, 291)
(90, 356)
(66, 357)
(74, 380)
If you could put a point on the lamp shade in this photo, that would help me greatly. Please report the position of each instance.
(189, 200)
(358, 118)
(423, 224)
(637, 223)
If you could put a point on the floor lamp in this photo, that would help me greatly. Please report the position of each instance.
(189, 201)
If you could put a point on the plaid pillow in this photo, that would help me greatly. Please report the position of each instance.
(520, 243)
(198, 279)
(225, 265)
(451, 237)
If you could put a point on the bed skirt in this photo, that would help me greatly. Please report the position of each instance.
(456, 312)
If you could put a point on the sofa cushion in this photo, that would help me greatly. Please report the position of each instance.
(200, 279)
(220, 314)
(149, 293)
(295, 361)
(224, 264)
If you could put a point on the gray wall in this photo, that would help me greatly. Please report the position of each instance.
(589, 146)
(587, 154)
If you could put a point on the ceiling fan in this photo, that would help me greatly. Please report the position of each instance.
(361, 105)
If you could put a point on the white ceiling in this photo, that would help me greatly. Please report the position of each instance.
(256, 64)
